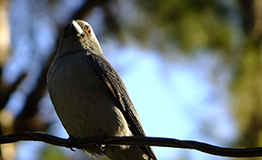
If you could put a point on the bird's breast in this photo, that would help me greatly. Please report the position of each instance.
(82, 100)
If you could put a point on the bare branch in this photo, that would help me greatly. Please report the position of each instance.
(147, 141)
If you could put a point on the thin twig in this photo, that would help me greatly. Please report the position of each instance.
(148, 141)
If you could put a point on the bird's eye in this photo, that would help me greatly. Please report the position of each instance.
(89, 31)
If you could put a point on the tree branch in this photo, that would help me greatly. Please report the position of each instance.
(148, 141)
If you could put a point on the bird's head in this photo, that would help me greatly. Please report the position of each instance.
(78, 35)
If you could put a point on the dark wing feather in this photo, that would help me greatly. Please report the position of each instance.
(119, 93)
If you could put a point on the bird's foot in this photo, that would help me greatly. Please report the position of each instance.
(99, 143)
(69, 143)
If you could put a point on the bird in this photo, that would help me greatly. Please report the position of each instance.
(89, 96)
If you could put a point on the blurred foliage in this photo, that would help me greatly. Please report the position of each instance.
(232, 29)
(53, 153)
(191, 25)
(214, 25)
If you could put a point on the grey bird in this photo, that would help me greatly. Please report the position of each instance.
(89, 96)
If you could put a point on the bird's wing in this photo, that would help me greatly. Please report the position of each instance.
(119, 92)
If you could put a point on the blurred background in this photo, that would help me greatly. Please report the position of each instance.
(193, 69)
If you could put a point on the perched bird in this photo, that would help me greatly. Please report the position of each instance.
(89, 96)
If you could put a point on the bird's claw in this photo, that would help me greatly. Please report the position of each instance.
(69, 143)
(99, 143)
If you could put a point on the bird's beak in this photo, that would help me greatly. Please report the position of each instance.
(77, 27)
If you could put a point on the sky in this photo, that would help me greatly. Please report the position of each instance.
(175, 99)
(175, 96)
